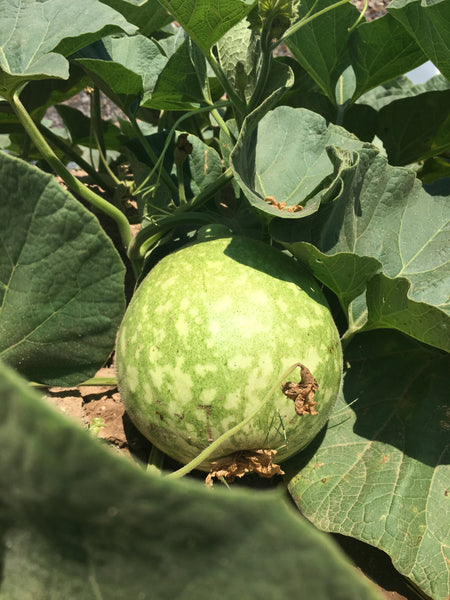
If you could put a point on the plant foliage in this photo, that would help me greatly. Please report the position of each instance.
(330, 153)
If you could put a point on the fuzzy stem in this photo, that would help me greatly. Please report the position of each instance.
(228, 434)
(71, 181)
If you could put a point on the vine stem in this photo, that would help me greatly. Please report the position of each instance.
(71, 181)
(228, 434)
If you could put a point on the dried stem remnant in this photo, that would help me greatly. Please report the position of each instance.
(240, 463)
(282, 205)
(302, 393)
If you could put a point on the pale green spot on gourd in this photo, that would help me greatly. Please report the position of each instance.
(205, 369)
(283, 306)
(240, 362)
(132, 378)
(259, 297)
(207, 396)
(181, 382)
(256, 381)
(182, 326)
(224, 305)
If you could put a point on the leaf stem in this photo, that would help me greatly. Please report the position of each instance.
(157, 162)
(228, 434)
(72, 182)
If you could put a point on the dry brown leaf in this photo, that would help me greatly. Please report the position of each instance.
(282, 205)
(240, 463)
(302, 393)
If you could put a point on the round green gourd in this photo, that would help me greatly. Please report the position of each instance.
(207, 334)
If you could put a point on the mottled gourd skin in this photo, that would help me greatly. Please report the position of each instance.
(208, 332)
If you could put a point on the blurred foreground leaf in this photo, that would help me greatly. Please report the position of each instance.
(81, 523)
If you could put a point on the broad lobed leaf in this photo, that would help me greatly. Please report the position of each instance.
(61, 280)
(381, 471)
(32, 30)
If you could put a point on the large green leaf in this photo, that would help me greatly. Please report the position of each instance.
(284, 156)
(125, 68)
(381, 473)
(383, 222)
(415, 128)
(179, 86)
(206, 21)
(428, 22)
(61, 280)
(320, 46)
(79, 522)
(380, 51)
(32, 29)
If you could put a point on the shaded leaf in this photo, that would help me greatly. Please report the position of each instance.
(415, 128)
(148, 15)
(56, 545)
(429, 24)
(380, 51)
(31, 30)
(320, 46)
(126, 68)
(381, 473)
(61, 280)
(80, 128)
(178, 86)
(345, 249)
(206, 21)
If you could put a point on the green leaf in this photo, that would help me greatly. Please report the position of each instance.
(61, 280)
(429, 24)
(239, 58)
(125, 68)
(345, 249)
(206, 21)
(320, 46)
(380, 51)
(148, 15)
(381, 473)
(284, 155)
(178, 86)
(415, 128)
(31, 30)
(205, 165)
(82, 523)
(80, 128)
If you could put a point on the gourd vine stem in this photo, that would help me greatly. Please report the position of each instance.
(139, 245)
(225, 436)
(159, 161)
(72, 182)
(238, 104)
